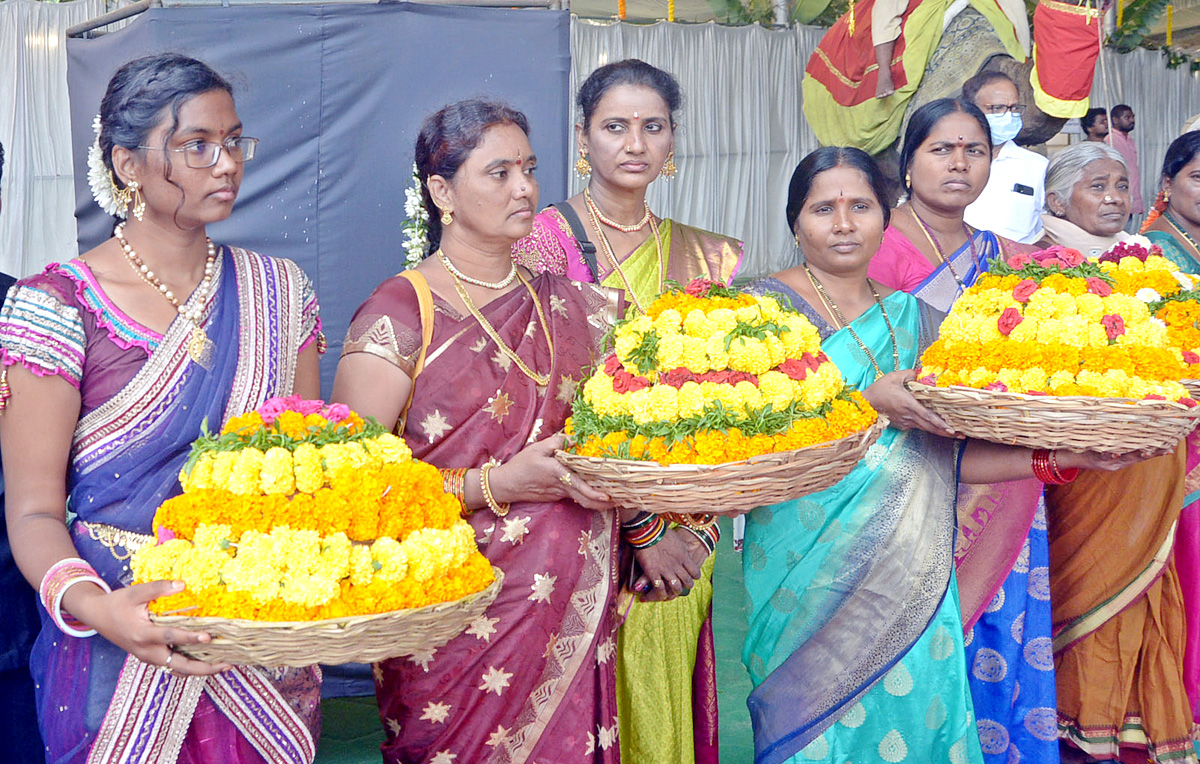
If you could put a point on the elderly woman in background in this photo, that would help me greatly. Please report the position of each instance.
(1087, 198)
(666, 670)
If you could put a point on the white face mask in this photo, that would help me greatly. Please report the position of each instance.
(1004, 126)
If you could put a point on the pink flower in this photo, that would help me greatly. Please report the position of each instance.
(1188, 402)
(336, 412)
(272, 408)
(928, 379)
(163, 535)
(1022, 291)
(308, 407)
(1153, 397)
(1008, 320)
(1036, 392)
(1098, 286)
(1190, 358)
(1058, 256)
(1073, 258)
(1019, 261)
(698, 287)
(1114, 325)
(997, 387)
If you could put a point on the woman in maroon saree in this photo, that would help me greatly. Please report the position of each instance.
(531, 680)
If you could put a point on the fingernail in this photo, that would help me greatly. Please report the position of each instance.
(641, 587)
(177, 586)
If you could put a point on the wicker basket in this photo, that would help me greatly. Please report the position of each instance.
(730, 487)
(358, 639)
(1193, 388)
(1074, 423)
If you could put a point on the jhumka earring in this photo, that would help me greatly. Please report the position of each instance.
(1166, 195)
(669, 169)
(122, 196)
(908, 180)
(583, 167)
(447, 217)
(139, 201)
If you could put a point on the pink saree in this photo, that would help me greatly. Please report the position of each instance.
(531, 680)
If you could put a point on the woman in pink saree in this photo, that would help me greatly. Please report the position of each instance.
(481, 395)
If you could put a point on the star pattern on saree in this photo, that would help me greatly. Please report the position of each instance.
(393, 726)
(377, 672)
(585, 542)
(443, 757)
(479, 345)
(566, 389)
(542, 587)
(515, 529)
(499, 406)
(436, 712)
(435, 425)
(495, 680)
(498, 737)
(558, 305)
(605, 651)
(550, 645)
(483, 628)
(607, 737)
(422, 658)
(502, 361)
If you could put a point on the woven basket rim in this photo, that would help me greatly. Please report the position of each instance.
(1087, 400)
(245, 623)
(881, 422)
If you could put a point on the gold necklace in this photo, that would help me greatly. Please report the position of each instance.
(587, 195)
(198, 343)
(937, 248)
(542, 380)
(501, 284)
(606, 247)
(1187, 236)
(832, 307)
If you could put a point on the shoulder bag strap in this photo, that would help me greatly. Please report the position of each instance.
(577, 230)
(425, 304)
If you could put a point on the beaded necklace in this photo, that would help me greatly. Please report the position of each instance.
(501, 284)
(606, 247)
(587, 196)
(841, 322)
(1182, 232)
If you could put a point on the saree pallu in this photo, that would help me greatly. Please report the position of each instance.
(532, 679)
(96, 702)
(1187, 534)
(1001, 554)
(855, 642)
(1119, 624)
(667, 696)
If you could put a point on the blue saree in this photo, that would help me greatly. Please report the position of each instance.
(855, 640)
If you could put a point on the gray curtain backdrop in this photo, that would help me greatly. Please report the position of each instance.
(336, 94)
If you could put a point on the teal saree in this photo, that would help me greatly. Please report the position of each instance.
(855, 642)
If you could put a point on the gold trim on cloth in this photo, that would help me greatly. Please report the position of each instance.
(112, 537)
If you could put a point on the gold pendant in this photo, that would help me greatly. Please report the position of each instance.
(199, 348)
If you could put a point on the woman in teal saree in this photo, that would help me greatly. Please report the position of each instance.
(855, 641)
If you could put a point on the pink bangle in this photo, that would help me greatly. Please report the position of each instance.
(66, 623)
(58, 579)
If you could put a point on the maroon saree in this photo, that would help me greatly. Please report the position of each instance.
(532, 680)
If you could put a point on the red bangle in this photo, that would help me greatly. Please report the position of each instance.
(1045, 468)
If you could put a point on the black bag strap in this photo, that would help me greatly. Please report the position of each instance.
(577, 230)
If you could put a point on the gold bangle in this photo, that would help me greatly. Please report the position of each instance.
(498, 509)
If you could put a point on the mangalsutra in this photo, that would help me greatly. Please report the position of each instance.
(839, 319)
(587, 195)
(606, 247)
(937, 248)
(501, 284)
(542, 380)
(198, 344)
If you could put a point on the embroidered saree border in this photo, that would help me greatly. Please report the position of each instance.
(1097, 616)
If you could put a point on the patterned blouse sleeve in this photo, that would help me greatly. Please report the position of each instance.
(388, 325)
(41, 329)
(542, 251)
(310, 315)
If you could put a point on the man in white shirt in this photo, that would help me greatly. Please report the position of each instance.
(1012, 202)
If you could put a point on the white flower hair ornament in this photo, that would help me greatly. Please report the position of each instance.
(416, 228)
(104, 188)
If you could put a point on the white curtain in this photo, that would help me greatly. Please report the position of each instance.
(1163, 99)
(741, 131)
(37, 222)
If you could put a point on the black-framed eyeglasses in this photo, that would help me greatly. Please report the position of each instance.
(998, 109)
(201, 155)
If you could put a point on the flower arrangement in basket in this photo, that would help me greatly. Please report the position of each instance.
(709, 385)
(1032, 340)
(301, 513)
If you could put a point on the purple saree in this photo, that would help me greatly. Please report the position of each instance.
(142, 403)
(531, 680)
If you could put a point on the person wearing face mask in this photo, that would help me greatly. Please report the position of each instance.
(1012, 201)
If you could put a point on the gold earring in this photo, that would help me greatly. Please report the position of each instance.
(583, 167)
(121, 196)
(669, 169)
(908, 180)
(138, 199)
(1166, 195)
(447, 217)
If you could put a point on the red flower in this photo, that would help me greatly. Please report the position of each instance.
(1098, 287)
(1036, 392)
(720, 377)
(1153, 397)
(811, 361)
(795, 369)
(997, 387)
(1022, 291)
(1019, 261)
(1187, 402)
(698, 287)
(1058, 256)
(1190, 358)
(1008, 320)
(638, 383)
(928, 379)
(1114, 325)
(612, 365)
(677, 377)
(1072, 257)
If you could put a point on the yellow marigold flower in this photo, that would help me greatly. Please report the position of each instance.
(663, 403)
(695, 355)
(723, 320)
(670, 351)
(200, 476)
(362, 566)
(697, 324)
(278, 475)
(668, 322)
(222, 468)
(391, 449)
(306, 463)
(750, 355)
(690, 400)
(391, 559)
(244, 480)
(243, 424)
(213, 537)
(714, 347)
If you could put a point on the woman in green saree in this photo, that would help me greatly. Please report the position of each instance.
(1176, 227)
(855, 642)
(666, 672)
